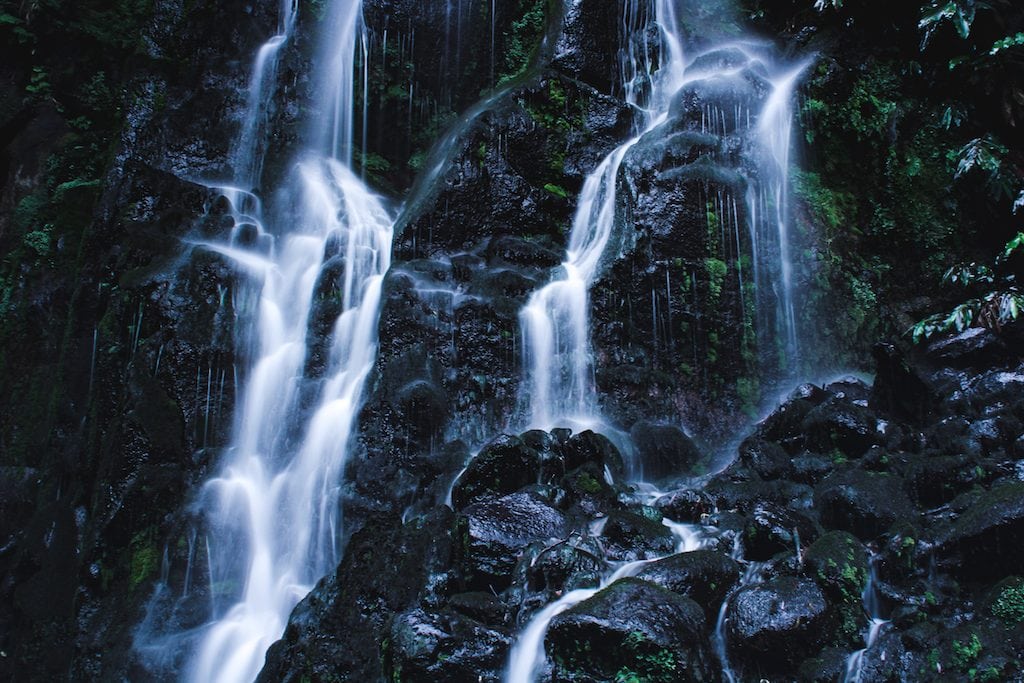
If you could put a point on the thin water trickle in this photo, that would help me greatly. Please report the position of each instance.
(873, 608)
(527, 655)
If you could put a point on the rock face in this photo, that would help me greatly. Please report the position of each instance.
(119, 361)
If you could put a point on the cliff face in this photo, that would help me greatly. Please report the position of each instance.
(118, 353)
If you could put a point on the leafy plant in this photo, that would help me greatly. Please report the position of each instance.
(1000, 304)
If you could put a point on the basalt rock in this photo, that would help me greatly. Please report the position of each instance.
(632, 626)
(705, 576)
(494, 533)
(774, 625)
(664, 450)
(864, 503)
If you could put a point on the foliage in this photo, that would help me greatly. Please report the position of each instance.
(523, 38)
(1009, 606)
(998, 303)
(964, 654)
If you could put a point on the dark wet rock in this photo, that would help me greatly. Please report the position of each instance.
(933, 480)
(504, 465)
(423, 408)
(337, 630)
(773, 529)
(663, 450)
(811, 468)
(685, 506)
(864, 503)
(828, 666)
(745, 494)
(588, 26)
(567, 566)
(983, 542)
(481, 606)
(852, 389)
(975, 345)
(493, 534)
(775, 625)
(705, 576)
(898, 389)
(591, 447)
(767, 458)
(428, 647)
(840, 426)
(988, 389)
(839, 562)
(631, 626)
(628, 536)
(785, 423)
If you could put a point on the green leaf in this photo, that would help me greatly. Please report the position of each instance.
(1006, 43)
(1013, 245)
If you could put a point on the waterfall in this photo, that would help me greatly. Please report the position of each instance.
(271, 514)
(558, 386)
(555, 321)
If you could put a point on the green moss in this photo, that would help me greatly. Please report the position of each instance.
(588, 484)
(556, 190)
(965, 654)
(145, 558)
(716, 270)
(1009, 606)
(523, 38)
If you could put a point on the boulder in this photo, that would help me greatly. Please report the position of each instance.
(840, 426)
(705, 576)
(663, 450)
(685, 506)
(504, 465)
(493, 533)
(983, 542)
(839, 562)
(634, 630)
(864, 503)
(445, 646)
(628, 536)
(775, 625)
(773, 529)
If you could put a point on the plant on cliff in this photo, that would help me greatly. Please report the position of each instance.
(998, 299)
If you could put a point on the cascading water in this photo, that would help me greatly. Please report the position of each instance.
(558, 387)
(558, 364)
(555, 322)
(527, 654)
(272, 514)
(873, 607)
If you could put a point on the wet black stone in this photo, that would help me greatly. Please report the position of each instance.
(840, 426)
(983, 542)
(775, 625)
(446, 646)
(685, 506)
(664, 450)
(591, 447)
(705, 576)
(864, 503)
(504, 465)
(493, 534)
(635, 626)
(839, 562)
(773, 529)
(628, 536)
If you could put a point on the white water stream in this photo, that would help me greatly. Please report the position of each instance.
(272, 512)
(527, 655)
